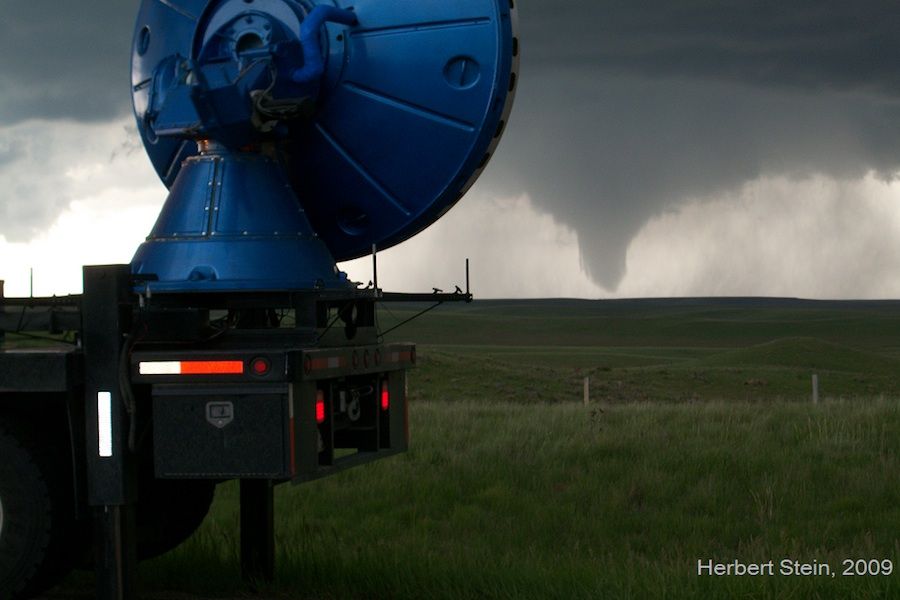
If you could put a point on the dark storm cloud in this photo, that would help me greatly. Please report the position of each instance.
(627, 109)
(69, 59)
(63, 59)
(798, 43)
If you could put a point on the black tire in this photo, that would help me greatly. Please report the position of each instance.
(169, 511)
(37, 512)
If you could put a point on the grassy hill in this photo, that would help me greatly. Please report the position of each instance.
(671, 323)
(654, 350)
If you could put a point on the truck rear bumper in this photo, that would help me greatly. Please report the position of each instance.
(323, 412)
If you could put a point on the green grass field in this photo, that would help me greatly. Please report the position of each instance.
(655, 351)
(700, 442)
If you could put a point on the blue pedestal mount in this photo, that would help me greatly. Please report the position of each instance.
(232, 222)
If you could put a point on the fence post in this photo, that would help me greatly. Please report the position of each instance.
(587, 390)
(815, 389)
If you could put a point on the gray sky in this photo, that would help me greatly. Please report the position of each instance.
(656, 148)
(65, 60)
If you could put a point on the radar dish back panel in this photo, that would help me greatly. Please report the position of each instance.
(409, 108)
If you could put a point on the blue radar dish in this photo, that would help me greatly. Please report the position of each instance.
(392, 118)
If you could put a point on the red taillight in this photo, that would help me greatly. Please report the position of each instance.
(385, 396)
(260, 366)
(320, 406)
(212, 367)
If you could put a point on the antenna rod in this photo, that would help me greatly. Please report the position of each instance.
(467, 277)
(375, 269)
(2, 332)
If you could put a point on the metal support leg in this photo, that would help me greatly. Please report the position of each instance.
(115, 554)
(257, 497)
(257, 530)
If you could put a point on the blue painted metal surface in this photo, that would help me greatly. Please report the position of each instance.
(232, 222)
(378, 133)
(313, 62)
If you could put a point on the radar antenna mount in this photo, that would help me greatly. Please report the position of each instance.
(293, 134)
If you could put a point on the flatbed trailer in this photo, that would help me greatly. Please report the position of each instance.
(293, 135)
(115, 437)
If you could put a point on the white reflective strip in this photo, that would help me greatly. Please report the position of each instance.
(334, 362)
(104, 424)
(160, 368)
